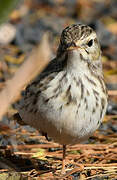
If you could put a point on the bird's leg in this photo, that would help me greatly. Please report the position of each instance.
(63, 160)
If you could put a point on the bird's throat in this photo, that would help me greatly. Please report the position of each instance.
(75, 63)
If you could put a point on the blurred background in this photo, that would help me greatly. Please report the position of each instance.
(27, 23)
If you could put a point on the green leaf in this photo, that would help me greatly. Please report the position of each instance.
(6, 7)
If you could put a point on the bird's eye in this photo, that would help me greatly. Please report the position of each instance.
(90, 43)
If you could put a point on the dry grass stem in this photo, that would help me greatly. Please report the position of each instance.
(112, 92)
(34, 64)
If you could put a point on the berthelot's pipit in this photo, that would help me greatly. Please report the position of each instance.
(69, 98)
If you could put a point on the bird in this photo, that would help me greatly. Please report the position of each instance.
(68, 100)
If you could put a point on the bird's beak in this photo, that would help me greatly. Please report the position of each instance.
(73, 48)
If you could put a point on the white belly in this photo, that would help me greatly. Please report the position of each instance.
(72, 114)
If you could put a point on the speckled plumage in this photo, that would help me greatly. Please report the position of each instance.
(69, 99)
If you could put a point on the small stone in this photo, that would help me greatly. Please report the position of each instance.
(7, 33)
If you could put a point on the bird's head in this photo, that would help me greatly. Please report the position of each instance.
(80, 40)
